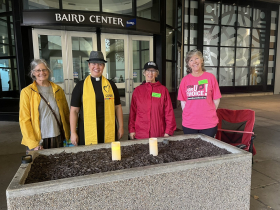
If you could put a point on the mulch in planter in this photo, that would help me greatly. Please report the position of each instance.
(64, 165)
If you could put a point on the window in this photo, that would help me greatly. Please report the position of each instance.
(87, 5)
(148, 9)
(35, 4)
(118, 7)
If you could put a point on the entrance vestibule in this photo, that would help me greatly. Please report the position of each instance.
(66, 53)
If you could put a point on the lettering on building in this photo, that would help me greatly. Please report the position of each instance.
(99, 19)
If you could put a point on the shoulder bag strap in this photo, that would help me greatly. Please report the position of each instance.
(60, 126)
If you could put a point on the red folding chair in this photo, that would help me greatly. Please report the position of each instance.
(236, 128)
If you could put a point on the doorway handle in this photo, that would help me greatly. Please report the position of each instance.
(69, 88)
(125, 85)
(132, 85)
(65, 87)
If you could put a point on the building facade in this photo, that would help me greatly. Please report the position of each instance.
(238, 40)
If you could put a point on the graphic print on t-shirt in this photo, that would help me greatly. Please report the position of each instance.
(196, 92)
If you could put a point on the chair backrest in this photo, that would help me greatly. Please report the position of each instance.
(238, 120)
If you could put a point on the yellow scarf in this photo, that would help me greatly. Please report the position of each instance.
(89, 106)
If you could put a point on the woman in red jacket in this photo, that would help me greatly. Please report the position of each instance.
(151, 111)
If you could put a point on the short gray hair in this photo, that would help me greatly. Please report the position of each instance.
(143, 72)
(36, 62)
(191, 54)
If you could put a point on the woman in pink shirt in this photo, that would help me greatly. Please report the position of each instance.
(200, 95)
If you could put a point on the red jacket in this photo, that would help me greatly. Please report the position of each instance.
(151, 111)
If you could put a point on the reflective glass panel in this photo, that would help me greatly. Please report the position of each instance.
(81, 48)
(270, 75)
(40, 4)
(227, 36)
(184, 63)
(186, 35)
(210, 55)
(244, 16)
(178, 66)
(193, 47)
(3, 5)
(115, 60)
(211, 13)
(193, 34)
(258, 39)
(259, 18)
(227, 56)
(212, 70)
(226, 77)
(50, 50)
(273, 29)
(211, 35)
(271, 58)
(90, 5)
(148, 9)
(194, 12)
(141, 55)
(170, 12)
(228, 14)
(7, 47)
(271, 67)
(186, 18)
(170, 47)
(193, 22)
(179, 18)
(241, 76)
(118, 7)
(8, 78)
(242, 57)
(257, 57)
(243, 37)
(256, 75)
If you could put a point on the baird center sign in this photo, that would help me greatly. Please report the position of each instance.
(93, 18)
(81, 18)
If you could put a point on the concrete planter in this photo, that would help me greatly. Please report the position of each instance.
(220, 182)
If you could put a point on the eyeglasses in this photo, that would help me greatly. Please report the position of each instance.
(40, 70)
(151, 71)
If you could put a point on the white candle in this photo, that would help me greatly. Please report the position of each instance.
(116, 150)
(153, 146)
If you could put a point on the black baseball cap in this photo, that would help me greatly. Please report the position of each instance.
(150, 64)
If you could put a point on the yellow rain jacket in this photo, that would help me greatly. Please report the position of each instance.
(29, 114)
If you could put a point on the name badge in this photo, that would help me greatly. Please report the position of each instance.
(205, 81)
(157, 95)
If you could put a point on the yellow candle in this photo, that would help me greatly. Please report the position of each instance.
(116, 150)
(153, 146)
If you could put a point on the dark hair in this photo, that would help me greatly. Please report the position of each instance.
(191, 54)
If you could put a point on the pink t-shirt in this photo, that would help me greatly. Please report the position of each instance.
(199, 93)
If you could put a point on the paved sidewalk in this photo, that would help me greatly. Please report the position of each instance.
(265, 189)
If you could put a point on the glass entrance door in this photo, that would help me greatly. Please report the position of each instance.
(126, 56)
(79, 46)
(66, 53)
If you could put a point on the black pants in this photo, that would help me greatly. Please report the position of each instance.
(209, 132)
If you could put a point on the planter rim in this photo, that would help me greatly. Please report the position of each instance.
(18, 189)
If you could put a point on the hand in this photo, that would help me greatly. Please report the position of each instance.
(38, 148)
(120, 133)
(132, 135)
(166, 135)
(74, 138)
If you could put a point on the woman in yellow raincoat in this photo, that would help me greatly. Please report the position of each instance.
(44, 113)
